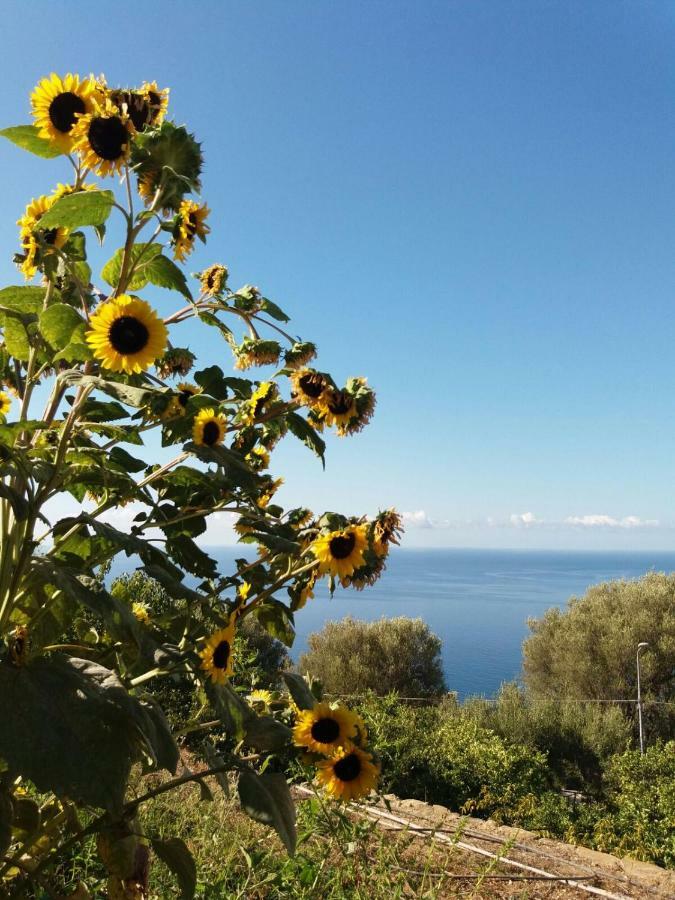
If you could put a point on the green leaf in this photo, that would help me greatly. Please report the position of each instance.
(213, 382)
(158, 735)
(267, 799)
(299, 690)
(22, 299)
(214, 760)
(174, 853)
(164, 273)
(76, 210)
(277, 620)
(85, 720)
(267, 734)
(142, 256)
(18, 503)
(16, 338)
(301, 428)
(128, 462)
(26, 137)
(126, 393)
(273, 310)
(59, 323)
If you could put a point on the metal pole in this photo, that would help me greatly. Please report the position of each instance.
(640, 646)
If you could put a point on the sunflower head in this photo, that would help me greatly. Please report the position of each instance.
(146, 106)
(264, 394)
(5, 403)
(301, 353)
(213, 280)
(126, 334)
(349, 774)
(387, 529)
(209, 428)
(341, 552)
(176, 361)
(103, 138)
(190, 224)
(270, 487)
(169, 159)
(217, 659)
(38, 242)
(58, 103)
(256, 352)
(258, 458)
(309, 387)
(324, 728)
(303, 590)
(260, 700)
(141, 612)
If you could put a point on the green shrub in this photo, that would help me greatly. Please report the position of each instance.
(352, 656)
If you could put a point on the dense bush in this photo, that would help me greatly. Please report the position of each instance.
(352, 656)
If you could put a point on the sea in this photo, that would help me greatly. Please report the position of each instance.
(476, 601)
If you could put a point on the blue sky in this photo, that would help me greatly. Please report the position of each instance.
(469, 203)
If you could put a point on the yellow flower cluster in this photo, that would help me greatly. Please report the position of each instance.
(333, 731)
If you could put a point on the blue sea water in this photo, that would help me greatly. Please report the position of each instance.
(476, 601)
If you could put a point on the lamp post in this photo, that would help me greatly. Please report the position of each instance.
(640, 646)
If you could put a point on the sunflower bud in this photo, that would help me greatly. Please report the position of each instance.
(169, 159)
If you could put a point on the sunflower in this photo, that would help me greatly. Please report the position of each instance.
(263, 394)
(213, 279)
(256, 353)
(349, 775)
(5, 403)
(146, 106)
(209, 428)
(103, 138)
(57, 105)
(364, 400)
(182, 398)
(324, 728)
(260, 700)
(338, 408)
(189, 225)
(141, 612)
(217, 654)
(33, 238)
(309, 386)
(176, 361)
(258, 458)
(387, 529)
(270, 488)
(341, 552)
(300, 594)
(126, 334)
(299, 354)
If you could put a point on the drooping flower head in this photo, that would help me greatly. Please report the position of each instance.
(57, 105)
(103, 138)
(387, 529)
(146, 106)
(265, 393)
(256, 352)
(126, 334)
(190, 224)
(299, 354)
(324, 728)
(35, 240)
(309, 387)
(217, 659)
(349, 775)
(209, 428)
(176, 361)
(341, 552)
(213, 280)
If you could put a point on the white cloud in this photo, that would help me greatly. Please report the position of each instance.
(417, 519)
(604, 521)
(527, 519)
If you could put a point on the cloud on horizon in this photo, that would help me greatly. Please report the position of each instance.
(420, 519)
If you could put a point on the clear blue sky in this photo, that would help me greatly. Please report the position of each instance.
(470, 203)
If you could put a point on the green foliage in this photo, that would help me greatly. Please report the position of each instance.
(399, 654)
(26, 137)
(79, 209)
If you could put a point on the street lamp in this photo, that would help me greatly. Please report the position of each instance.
(640, 646)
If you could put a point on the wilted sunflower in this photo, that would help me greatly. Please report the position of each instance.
(258, 458)
(57, 104)
(190, 224)
(213, 279)
(324, 728)
(364, 398)
(256, 353)
(271, 487)
(33, 237)
(338, 408)
(146, 106)
(103, 138)
(184, 392)
(349, 775)
(299, 354)
(209, 428)
(216, 656)
(387, 529)
(309, 386)
(176, 361)
(5, 403)
(263, 394)
(341, 552)
(126, 334)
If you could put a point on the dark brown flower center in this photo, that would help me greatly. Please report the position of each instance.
(191, 225)
(128, 335)
(210, 433)
(340, 402)
(348, 768)
(325, 730)
(312, 385)
(108, 137)
(184, 397)
(138, 107)
(221, 655)
(342, 545)
(50, 235)
(63, 111)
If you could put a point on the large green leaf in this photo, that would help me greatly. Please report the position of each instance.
(165, 273)
(76, 210)
(23, 299)
(126, 393)
(174, 853)
(26, 137)
(299, 690)
(267, 799)
(142, 256)
(16, 338)
(60, 324)
(69, 726)
(301, 428)
(277, 620)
